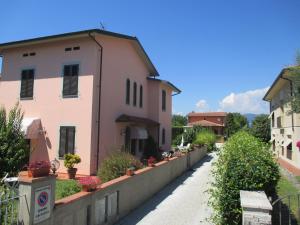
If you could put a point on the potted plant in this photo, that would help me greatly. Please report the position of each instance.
(151, 161)
(130, 171)
(89, 183)
(69, 161)
(39, 169)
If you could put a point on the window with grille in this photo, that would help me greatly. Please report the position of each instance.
(27, 82)
(70, 83)
(66, 140)
(141, 96)
(163, 106)
(127, 91)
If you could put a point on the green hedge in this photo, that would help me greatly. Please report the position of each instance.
(245, 163)
(115, 165)
(176, 131)
(206, 137)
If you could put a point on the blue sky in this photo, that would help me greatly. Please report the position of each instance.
(222, 54)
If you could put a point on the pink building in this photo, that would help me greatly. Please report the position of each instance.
(89, 92)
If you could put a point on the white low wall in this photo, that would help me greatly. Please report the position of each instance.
(116, 198)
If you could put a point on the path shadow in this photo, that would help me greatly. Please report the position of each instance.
(152, 203)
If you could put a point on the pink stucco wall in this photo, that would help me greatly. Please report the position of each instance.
(120, 61)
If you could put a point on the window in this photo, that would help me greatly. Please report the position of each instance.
(278, 121)
(27, 81)
(70, 83)
(66, 140)
(273, 120)
(163, 103)
(289, 152)
(68, 49)
(127, 91)
(134, 93)
(163, 136)
(76, 48)
(141, 96)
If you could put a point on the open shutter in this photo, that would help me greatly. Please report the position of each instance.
(71, 140)
(62, 141)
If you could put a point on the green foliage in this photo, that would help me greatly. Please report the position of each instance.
(179, 121)
(234, 123)
(206, 137)
(14, 150)
(70, 160)
(66, 188)
(245, 163)
(294, 75)
(8, 208)
(176, 131)
(176, 141)
(151, 149)
(115, 165)
(189, 135)
(261, 128)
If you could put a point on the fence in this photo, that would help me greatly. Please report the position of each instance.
(286, 210)
(108, 204)
(8, 206)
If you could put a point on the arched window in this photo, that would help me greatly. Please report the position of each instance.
(163, 102)
(134, 93)
(127, 91)
(141, 96)
(163, 136)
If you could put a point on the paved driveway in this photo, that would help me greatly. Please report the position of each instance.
(183, 202)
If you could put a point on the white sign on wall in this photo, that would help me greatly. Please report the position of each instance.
(42, 209)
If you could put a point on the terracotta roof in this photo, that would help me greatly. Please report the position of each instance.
(205, 123)
(207, 114)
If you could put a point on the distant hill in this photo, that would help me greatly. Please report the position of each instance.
(250, 117)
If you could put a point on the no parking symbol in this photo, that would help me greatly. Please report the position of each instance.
(42, 204)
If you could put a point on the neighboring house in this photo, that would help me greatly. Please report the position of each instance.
(212, 120)
(285, 125)
(89, 92)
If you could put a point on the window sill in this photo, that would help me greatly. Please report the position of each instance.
(26, 98)
(70, 96)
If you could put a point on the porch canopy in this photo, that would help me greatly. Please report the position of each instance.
(31, 127)
(136, 120)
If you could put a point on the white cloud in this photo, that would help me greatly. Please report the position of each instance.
(202, 105)
(245, 102)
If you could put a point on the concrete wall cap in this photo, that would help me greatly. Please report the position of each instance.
(255, 200)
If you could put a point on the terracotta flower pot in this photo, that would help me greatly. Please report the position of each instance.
(166, 159)
(40, 172)
(129, 172)
(72, 173)
(151, 164)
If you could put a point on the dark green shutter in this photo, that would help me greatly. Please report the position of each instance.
(62, 141)
(71, 140)
(27, 81)
(70, 83)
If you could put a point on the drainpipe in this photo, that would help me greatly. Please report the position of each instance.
(291, 89)
(99, 100)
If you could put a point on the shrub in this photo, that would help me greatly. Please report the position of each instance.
(115, 165)
(177, 140)
(206, 137)
(245, 163)
(66, 188)
(14, 150)
(70, 160)
(177, 131)
(151, 149)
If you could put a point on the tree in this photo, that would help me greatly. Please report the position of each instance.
(261, 128)
(14, 150)
(179, 121)
(234, 123)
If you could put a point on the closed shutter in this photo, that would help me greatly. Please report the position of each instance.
(70, 83)
(27, 81)
(71, 140)
(62, 141)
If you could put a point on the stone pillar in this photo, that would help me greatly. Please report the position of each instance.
(37, 199)
(256, 208)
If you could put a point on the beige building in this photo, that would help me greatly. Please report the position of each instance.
(285, 125)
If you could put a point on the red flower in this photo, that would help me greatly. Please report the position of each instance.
(298, 144)
(87, 181)
(151, 160)
(39, 165)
